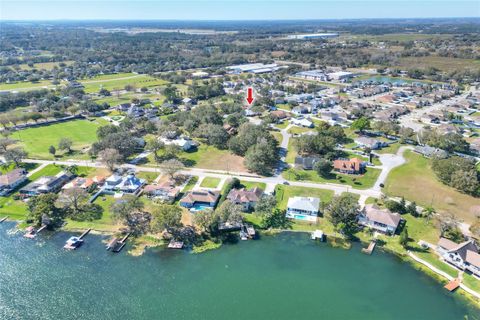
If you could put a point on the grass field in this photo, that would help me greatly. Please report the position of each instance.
(416, 181)
(365, 181)
(210, 182)
(191, 183)
(283, 192)
(299, 130)
(36, 141)
(45, 65)
(250, 185)
(441, 63)
(400, 37)
(26, 85)
(119, 81)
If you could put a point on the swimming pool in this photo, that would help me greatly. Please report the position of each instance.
(199, 207)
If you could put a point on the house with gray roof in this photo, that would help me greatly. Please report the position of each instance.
(381, 220)
(303, 208)
(461, 255)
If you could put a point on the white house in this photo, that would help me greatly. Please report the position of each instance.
(127, 184)
(303, 208)
(302, 122)
(462, 255)
(184, 143)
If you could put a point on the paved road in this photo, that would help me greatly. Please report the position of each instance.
(389, 162)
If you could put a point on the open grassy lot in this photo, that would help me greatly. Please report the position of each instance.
(416, 181)
(283, 192)
(291, 151)
(191, 183)
(45, 65)
(209, 157)
(364, 181)
(442, 63)
(27, 85)
(210, 182)
(400, 37)
(119, 81)
(149, 176)
(27, 166)
(299, 130)
(36, 141)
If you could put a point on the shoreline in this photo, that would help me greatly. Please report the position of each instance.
(139, 246)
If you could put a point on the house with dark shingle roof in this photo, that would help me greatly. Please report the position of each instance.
(462, 255)
(246, 198)
(381, 220)
(305, 163)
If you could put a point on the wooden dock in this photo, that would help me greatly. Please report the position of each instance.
(370, 248)
(85, 233)
(3, 219)
(453, 285)
(117, 245)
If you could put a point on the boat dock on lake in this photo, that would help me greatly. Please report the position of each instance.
(75, 242)
(3, 219)
(117, 245)
(317, 234)
(175, 244)
(370, 248)
(453, 285)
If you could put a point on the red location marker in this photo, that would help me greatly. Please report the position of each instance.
(250, 95)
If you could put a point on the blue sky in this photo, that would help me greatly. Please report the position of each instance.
(233, 9)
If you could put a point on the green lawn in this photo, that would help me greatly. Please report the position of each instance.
(282, 125)
(299, 130)
(471, 282)
(283, 192)
(36, 141)
(364, 181)
(26, 166)
(119, 81)
(291, 151)
(416, 181)
(250, 185)
(27, 85)
(105, 223)
(149, 176)
(433, 259)
(210, 182)
(191, 183)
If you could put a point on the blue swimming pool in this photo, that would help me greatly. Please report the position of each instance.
(199, 207)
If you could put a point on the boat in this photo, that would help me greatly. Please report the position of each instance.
(175, 244)
(317, 234)
(31, 233)
(243, 235)
(73, 243)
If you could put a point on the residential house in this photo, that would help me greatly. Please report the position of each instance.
(430, 152)
(165, 192)
(305, 163)
(371, 143)
(11, 180)
(302, 122)
(246, 198)
(200, 198)
(462, 255)
(183, 142)
(46, 184)
(303, 208)
(127, 184)
(87, 184)
(349, 166)
(381, 220)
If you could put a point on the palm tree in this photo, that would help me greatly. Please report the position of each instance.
(428, 212)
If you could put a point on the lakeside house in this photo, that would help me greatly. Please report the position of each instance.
(200, 199)
(349, 166)
(381, 220)
(371, 143)
(46, 184)
(246, 198)
(11, 180)
(461, 255)
(127, 184)
(165, 192)
(87, 184)
(303, 208)
(305, 163)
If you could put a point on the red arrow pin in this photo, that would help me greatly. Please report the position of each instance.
(250, 95)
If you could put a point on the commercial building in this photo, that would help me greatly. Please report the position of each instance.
(313, 36)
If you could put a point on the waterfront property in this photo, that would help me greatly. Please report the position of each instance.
(88, 184)
(127, 184)
(46, 184)
(462, 255)
(381, 220)
(11, 180)
(349, 166)
(200, 199)
(246, 198)
(303, 208)
(165, 192)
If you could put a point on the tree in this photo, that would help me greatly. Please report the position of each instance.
(323, 167)
(65, 144)
(15, 155)
(5, 143)
(342, 213)
(265, 205)
(395, 206)
(74, 199)
(276, 219)
(171, 167)
(110, 157)
(361, 124)
(52, 150)
(166, 217)
(42, 210)
(412, 209)
(403, 240)
(262, 157)
(155, 145)
(208, 221)
(122, 208)
(138, 222)
(229, 212)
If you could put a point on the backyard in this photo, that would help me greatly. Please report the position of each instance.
(284, 192)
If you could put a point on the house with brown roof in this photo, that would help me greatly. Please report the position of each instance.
(462, 255)
(246, 198)
(165, 192)
(87, 184)
(200, 199)
(382, 220)
(11, 180)
(349, 166)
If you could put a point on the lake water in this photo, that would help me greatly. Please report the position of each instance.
(280, 277)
